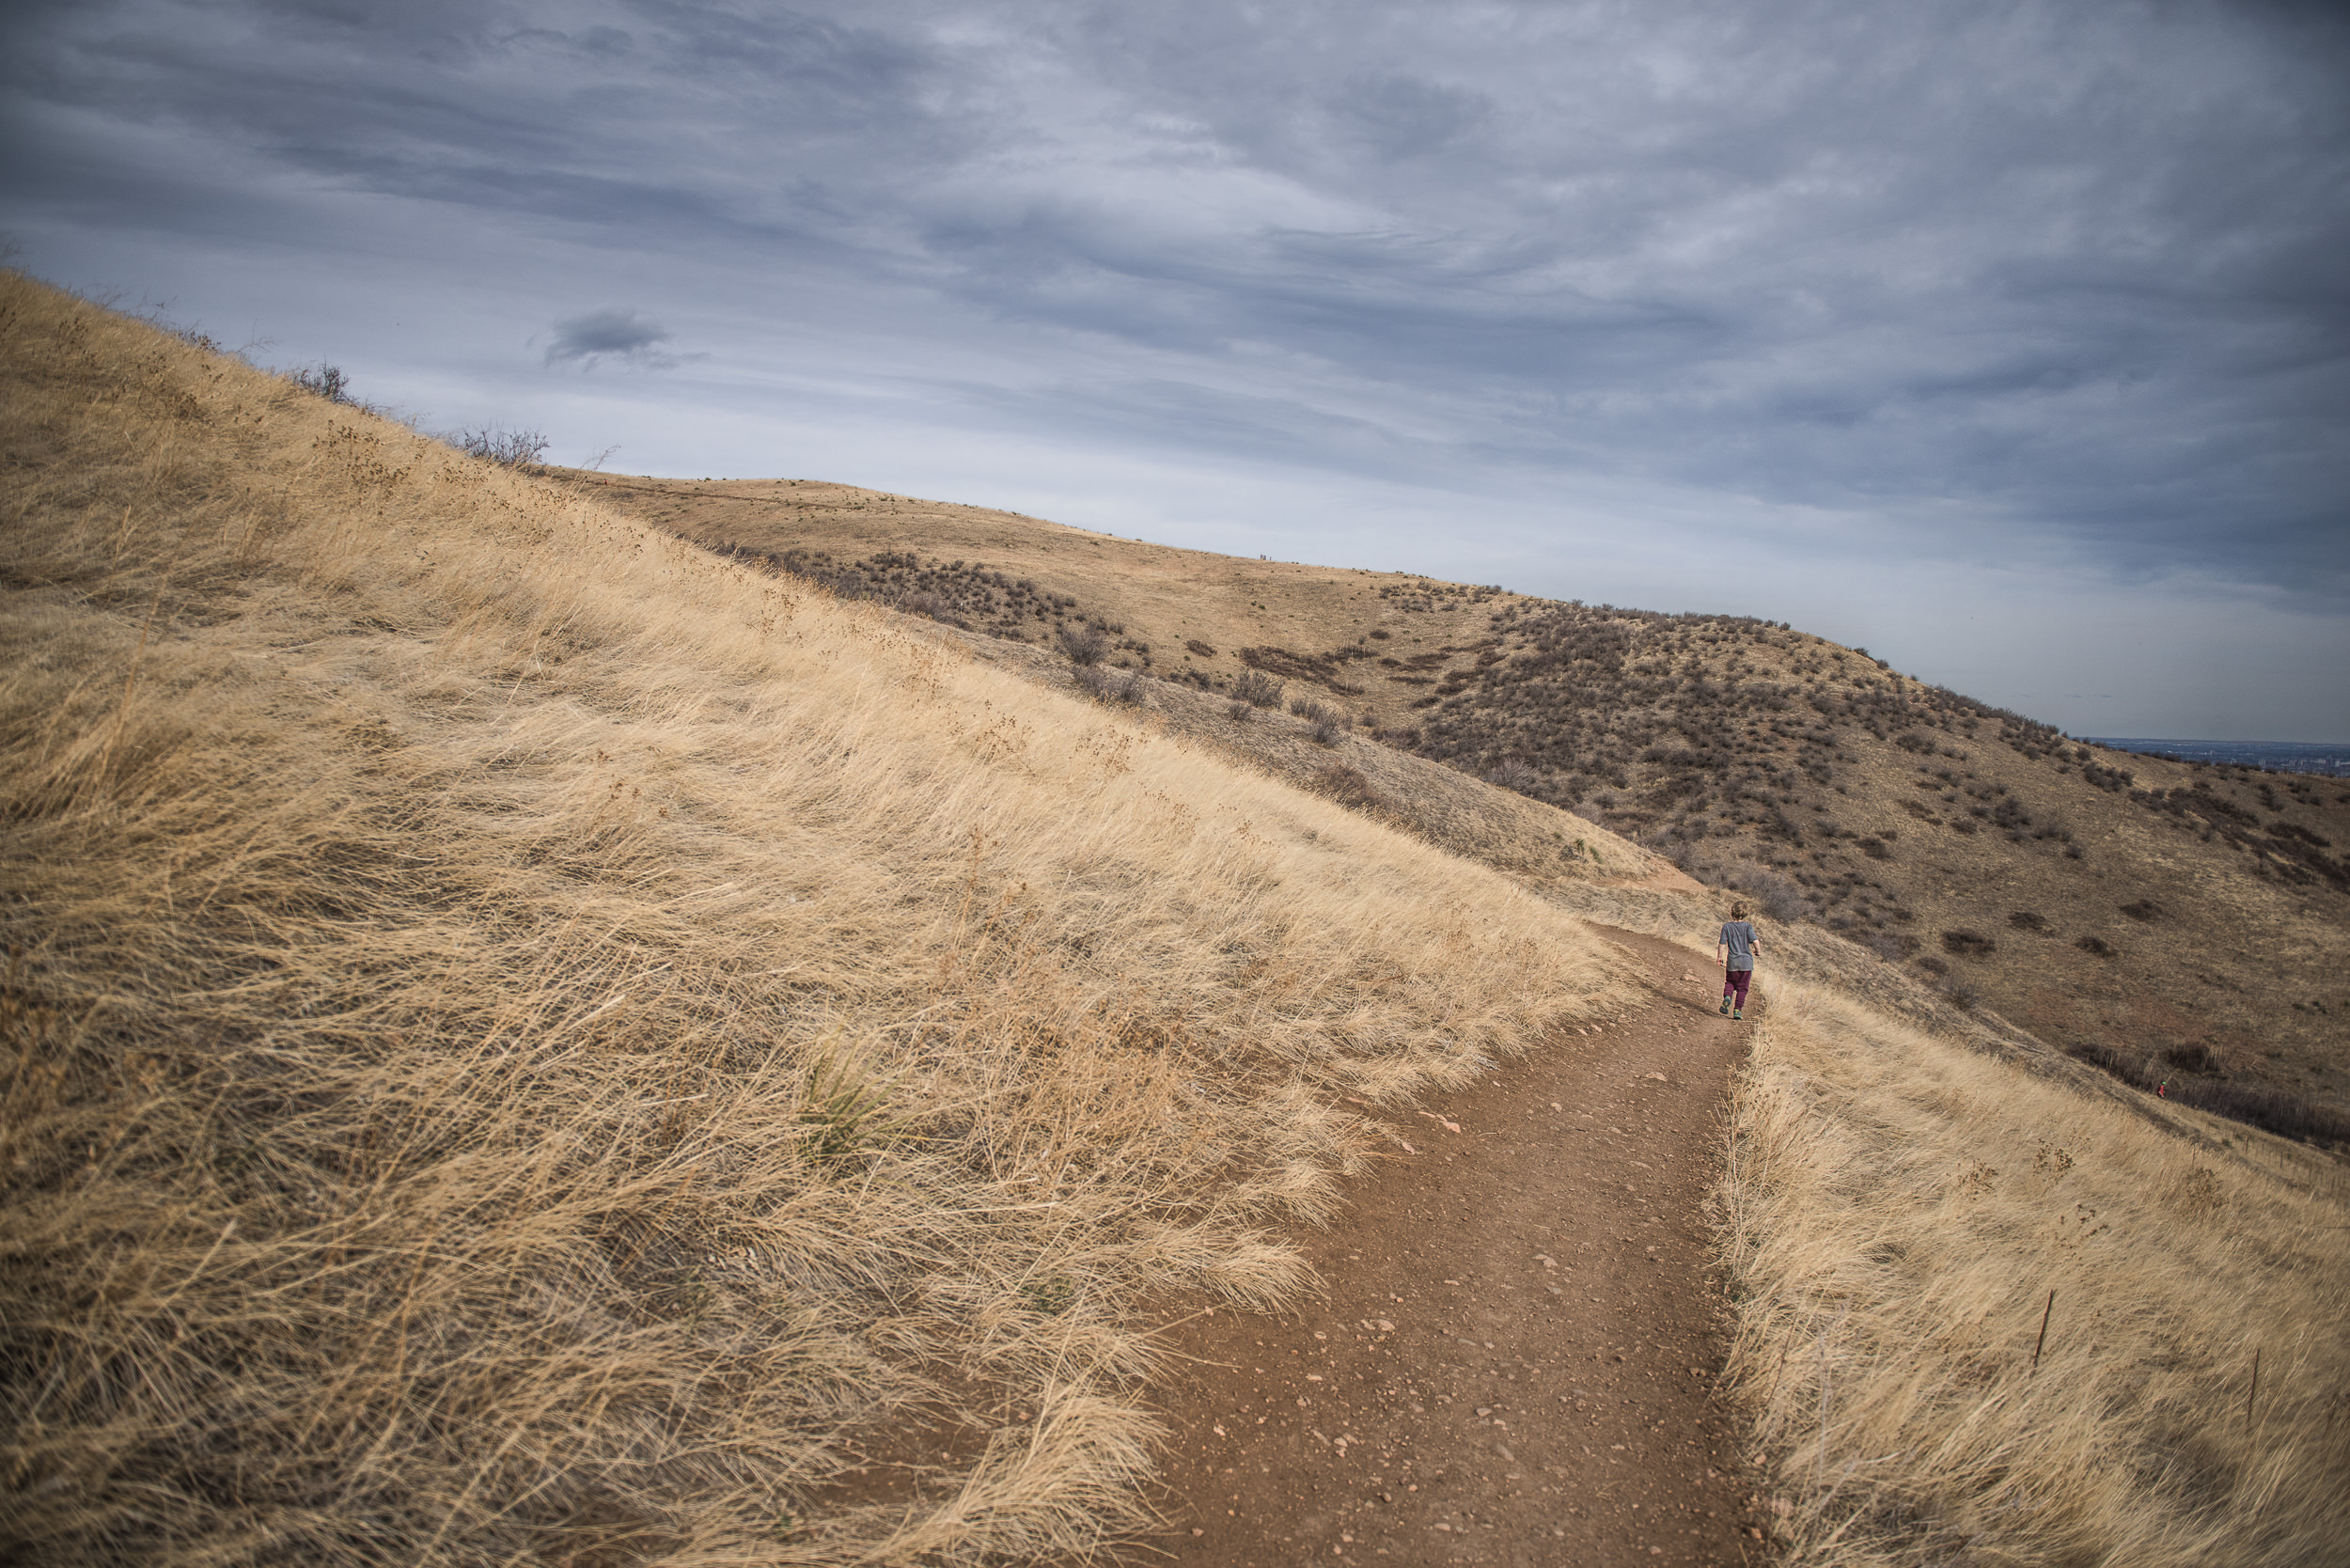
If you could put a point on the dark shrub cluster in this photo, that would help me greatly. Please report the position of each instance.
(509, 449)
(1320, 669)
(325, 380)
(1109, 685)
(1256, 689)
(1082, 643)
(964, 594)
(1325, 723)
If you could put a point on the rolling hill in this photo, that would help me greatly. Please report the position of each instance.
(528, 1038)
(2177, 924)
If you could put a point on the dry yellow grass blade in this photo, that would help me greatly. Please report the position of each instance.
(1898, 1211)
(530, 1044)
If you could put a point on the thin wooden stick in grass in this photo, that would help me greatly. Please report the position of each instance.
(2042, 1340)
(2252, 1397)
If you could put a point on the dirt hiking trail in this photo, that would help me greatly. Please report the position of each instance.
(1513, 1358)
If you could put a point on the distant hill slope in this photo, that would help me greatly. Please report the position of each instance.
(2170, 921)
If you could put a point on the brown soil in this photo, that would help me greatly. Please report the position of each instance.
(1513, 1358)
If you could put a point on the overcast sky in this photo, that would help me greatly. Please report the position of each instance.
(2010, 340)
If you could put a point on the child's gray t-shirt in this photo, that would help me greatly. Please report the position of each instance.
(1738, 937)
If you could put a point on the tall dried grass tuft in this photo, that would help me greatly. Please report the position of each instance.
(1899, 1212)
(529, 1042)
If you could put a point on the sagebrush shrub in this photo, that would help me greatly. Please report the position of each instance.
(1083, 644)
(1109, 685)
(1514, 775)
(325, 380)
(505, 447)
(1257, 689)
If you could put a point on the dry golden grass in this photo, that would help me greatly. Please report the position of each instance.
(530, 1044)
(1898, 1210)
(1796, 768)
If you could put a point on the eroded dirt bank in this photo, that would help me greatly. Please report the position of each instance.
(1514, 1356)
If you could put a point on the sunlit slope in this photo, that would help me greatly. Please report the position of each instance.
(530, 1043)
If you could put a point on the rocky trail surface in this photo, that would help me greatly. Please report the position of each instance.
(1513, 1358)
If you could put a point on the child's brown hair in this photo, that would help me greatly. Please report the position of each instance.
(1737, 911)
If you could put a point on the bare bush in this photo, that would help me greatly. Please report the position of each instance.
(1109, 685)
(1083, 644)
(505, 447)
(325, 380)
(1257, 689)
(1514, 775)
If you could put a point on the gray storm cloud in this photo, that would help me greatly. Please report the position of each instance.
(610, 333)
(2048, 286)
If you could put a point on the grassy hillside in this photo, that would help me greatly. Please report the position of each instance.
(529, 1042)
(2171, 922)
(1980, 1321)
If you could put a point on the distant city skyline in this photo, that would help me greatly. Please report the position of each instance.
(2011, 343)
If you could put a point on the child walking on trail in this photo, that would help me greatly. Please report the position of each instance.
(1736, 950)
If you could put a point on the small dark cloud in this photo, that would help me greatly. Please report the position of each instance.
(612, 333)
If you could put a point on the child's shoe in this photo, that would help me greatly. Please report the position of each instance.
(1738, 1013)
(1725, 1009)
